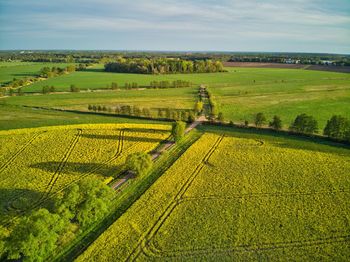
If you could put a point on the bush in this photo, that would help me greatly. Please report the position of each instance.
(178, 130)
(73, 88)
(140, 163)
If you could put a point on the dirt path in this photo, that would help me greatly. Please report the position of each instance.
(156, 154)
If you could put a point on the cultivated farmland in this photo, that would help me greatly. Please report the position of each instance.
(239, 93)
(179, 98)
(239, 196)
(18, 70)
(38, 163)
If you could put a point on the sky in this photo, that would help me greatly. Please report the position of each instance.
(321, 26)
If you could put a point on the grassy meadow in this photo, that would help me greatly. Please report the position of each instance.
(239, 93)
(18, 70)
(16, 117)
(239, 196)
(96, 78)
(179, 98)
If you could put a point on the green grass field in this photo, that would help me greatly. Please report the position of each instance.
(95, 78)
(322, 104)
(239, 196)
(18, 70)
(239, 93)
(14, 117)
(179, 98)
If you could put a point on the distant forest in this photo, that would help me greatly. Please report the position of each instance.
(91, 57)
(163, 66)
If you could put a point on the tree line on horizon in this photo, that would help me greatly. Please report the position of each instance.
(163, 66)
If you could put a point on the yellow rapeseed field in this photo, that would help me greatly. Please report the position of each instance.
(234, 197)
(38, 163)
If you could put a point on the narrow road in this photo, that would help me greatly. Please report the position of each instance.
(155, 155)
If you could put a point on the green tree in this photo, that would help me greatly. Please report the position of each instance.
(304, 124)
(178, 130)
(260, 119)
(44, 72)
(20, 92)
(71, 68)
(221, 117)
(337, 127)
(35, 237)
(276, 123)
(85, 202)
(140, 163)
(74, 88)
(198, 107)
(46, 89)
(160, 113)
(114, 86)
(191, 117)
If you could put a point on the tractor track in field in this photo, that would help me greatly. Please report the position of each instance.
(15, 155)
(114, 157)
(145, 240)
(59, 169)
(62, 164)
(253, 248)
(268, 194)
(54, 177)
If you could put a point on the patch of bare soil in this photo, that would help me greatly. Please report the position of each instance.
(341, 69)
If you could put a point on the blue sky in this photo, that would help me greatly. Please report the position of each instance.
(222, 25)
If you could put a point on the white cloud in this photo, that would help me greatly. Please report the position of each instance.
(254, 20)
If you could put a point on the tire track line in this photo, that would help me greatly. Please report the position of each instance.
(14, 156)
(260, 247)
(146, 239)
(63, 163)
(116, 155)
(273, 194)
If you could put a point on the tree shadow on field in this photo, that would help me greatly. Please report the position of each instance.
(146, 130)
(14, 200)
(23, 74)
(81, 168)
(94, 70)
(283, 139)
(125, 138)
